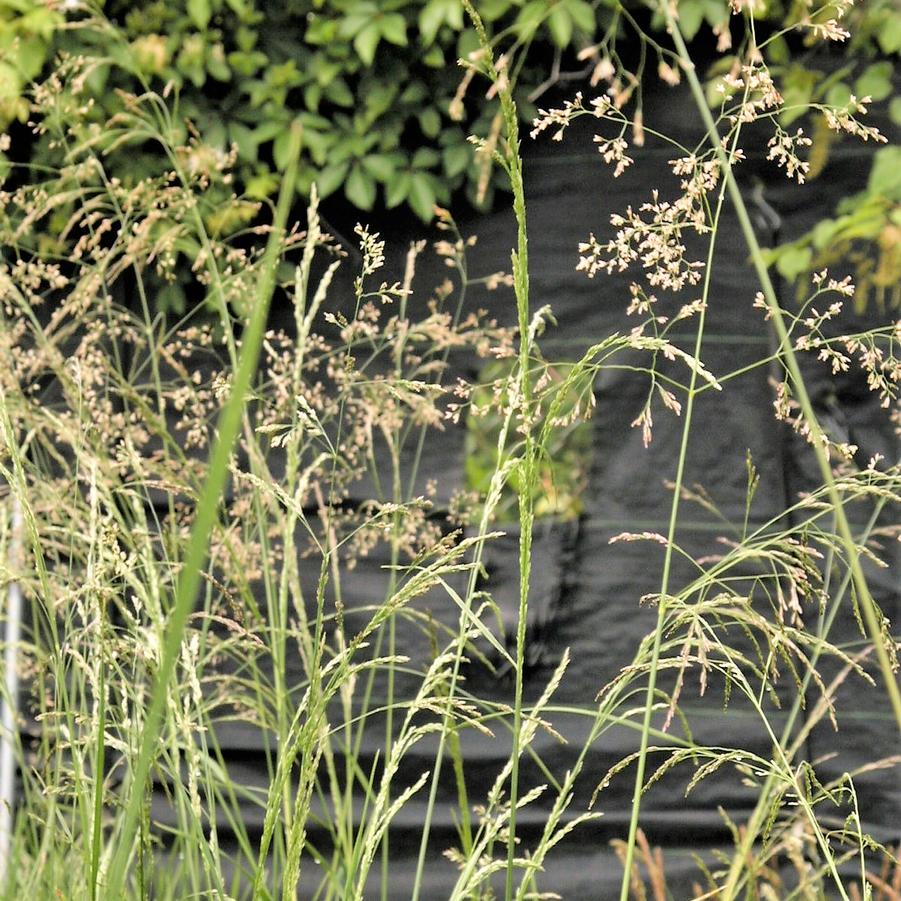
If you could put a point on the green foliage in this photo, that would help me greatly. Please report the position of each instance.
(865, 232)
(372, 84)
(26, 37)
(385, 110)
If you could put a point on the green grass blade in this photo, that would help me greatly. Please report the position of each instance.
(206, 516)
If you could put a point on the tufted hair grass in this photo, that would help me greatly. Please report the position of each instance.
(190, 499)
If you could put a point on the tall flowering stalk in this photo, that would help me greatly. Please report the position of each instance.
(511, 160)
(197, 548)
(650, 239)
(817, 436)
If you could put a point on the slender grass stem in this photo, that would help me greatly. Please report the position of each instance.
(662, 608)
(206, 515)
(9, 738)
(761, 809)
(858, 578)
(818, 439)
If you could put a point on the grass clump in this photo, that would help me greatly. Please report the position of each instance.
(195, 495)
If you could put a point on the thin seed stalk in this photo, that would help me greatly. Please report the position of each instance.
(512, 161)
(526, 517)
(526, 483)
(207, 511)
(864, 597)
(858, 578)
(662, 608)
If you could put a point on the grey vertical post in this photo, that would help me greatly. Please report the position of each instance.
(8, 725)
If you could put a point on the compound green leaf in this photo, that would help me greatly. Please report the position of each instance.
(360, 188)
(394, 29)
(199, 12)
(875, 81)
(560, 25)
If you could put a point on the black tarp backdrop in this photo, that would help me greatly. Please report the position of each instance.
(587, 590)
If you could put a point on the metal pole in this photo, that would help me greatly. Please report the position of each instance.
(8, 725)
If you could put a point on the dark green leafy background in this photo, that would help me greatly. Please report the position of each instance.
(373, 82)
